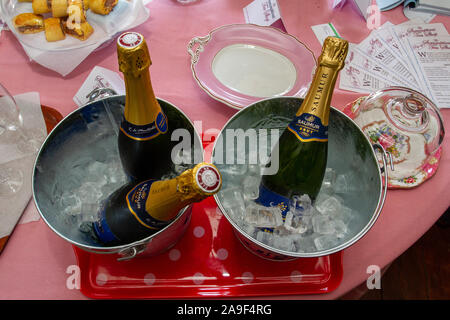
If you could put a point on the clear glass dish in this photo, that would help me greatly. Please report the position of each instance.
(409, 126)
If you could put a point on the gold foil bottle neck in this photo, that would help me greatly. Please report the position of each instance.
(200, 182)
(132, 53)
(334, 52)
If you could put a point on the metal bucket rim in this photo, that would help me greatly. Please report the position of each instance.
(290, 254)
(113, 249)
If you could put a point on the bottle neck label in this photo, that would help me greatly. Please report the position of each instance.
(308, 127)
(136, 201)
(147, 131)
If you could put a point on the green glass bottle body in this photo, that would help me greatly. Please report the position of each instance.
(301, 167)
(143, 142)
(303, 145)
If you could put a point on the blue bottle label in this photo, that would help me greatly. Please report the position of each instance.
(308, 127)
(147, 131)
(136, 202)
(102, 229)
(271, 199)
(136, 199)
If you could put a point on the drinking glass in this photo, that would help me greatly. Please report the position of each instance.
(12, 139)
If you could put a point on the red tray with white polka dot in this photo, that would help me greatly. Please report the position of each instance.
(208, 261)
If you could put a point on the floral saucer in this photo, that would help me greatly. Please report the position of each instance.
(412, 166)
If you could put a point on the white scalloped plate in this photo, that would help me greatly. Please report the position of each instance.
(241, 64)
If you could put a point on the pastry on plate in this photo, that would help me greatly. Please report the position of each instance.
(86, 4)
(76, 10)
(59, 8)
(81, 30)
(102, 6)
(29, 23)
(41, 6)
(54, 30)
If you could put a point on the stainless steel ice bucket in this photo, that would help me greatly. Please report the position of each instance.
(347, 145)
(52, 155)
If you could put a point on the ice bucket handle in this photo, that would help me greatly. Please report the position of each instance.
(131, 252)
(126, 253)
(386, 157)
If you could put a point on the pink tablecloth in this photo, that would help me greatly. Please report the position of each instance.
(35, 262)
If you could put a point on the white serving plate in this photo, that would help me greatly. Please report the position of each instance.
(240, 64)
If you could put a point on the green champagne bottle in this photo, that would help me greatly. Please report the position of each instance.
(144, 141)
(303, 145)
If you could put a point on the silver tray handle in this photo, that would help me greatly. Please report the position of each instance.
(197, 45)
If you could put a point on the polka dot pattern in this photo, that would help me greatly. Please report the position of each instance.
(209, 253)
(222, 254)
(174, 254)
(296, 276)
(199, 232)
(101, 279)
(247, 277)
(149, 279)
(198, 278)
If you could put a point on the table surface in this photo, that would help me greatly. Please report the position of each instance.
(35, 261)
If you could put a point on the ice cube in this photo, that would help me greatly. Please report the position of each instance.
(345, 183)
(114, 172)
(233, 202)
(263, 217)
(85, 226)
(305, 244)
(72, 182)
(248, 229)
(326, 242)
(345, 214)
(340, 229)
(251, 187)
(96, 168)
(285, 243)
(89, 192)
(322, 224)
(234, 169)
(295, 223)
(89, 212)
(70, 203)
(329, 178)
(328, 205)
(300, 205)
(254, 169)
(265, 237)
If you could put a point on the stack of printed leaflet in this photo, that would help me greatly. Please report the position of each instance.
(413, 55)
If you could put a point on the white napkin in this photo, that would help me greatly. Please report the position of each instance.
(12, 207)
(65, 61)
